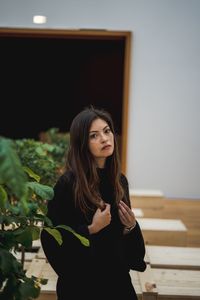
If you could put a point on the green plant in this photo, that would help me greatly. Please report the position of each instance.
(38, 157)
(60, 141)
(23, 211)
(22, 206)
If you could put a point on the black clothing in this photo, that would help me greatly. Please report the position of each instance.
(100, 271)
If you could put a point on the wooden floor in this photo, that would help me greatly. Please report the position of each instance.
(171, 274)
(188, 211)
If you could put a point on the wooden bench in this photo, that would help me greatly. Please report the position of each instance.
(168, 232)
(137, 286)
(41, 269)
(172, 257)
(168, 284)
(29, 254)
(146, 198)
(177, 284)
(138, 212)
(147, 284)
(40, 254)
(152, 284)
(28, 257)
(36, 244)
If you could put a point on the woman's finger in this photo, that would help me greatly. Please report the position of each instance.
(127, 208)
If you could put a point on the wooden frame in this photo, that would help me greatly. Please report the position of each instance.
(89, 34)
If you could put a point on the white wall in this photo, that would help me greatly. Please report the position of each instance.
(164, 112)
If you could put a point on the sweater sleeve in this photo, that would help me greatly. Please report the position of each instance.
(69, 256)
(62, 210)
(133, 247)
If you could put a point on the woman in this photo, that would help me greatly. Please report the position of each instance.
(92, 197)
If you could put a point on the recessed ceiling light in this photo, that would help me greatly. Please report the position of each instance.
(39, 19)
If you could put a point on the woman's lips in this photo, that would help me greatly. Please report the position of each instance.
(106, 147)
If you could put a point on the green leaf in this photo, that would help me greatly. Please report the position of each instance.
(11, 171)
(10, 289)
(6, 262)
(3, 198)
(8, 239)
(31, 173)
(42, 281)
(40, 151)
(25, 237)
(43, 208)
(48, 221)
(82, 239)
(35, 232)
(9, 263)
(33, 207)
(29, 289)
(55, 233)
(44, 191)
(23, 201)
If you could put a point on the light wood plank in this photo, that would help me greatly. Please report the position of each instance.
(173, 257)
(29, 256)
(146, 198)
(136, 283)
(138, 212)
(148, 284)
(36, 244)
(41, 269)
(162, 224)
(36, 268)
(177, 284)
(40, 254)
(169, 232)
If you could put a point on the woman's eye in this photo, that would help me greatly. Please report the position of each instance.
(93, 136)
(107, 130)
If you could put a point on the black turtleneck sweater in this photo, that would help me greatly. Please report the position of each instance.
(100, 271)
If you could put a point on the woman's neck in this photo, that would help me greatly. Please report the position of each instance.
(101, 163)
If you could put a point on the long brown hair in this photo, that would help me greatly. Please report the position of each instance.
(83, 166)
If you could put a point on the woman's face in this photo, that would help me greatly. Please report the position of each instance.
(101, 141)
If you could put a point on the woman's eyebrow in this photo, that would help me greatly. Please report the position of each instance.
(99, 130)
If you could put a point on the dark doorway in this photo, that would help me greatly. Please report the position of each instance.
(49, 76)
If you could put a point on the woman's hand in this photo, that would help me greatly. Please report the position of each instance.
(101, 219)
(126, 215)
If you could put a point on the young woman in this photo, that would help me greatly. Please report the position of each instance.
(92, 197)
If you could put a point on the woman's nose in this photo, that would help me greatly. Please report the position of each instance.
(103, 137)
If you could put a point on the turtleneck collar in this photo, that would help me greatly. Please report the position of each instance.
(101, 171)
